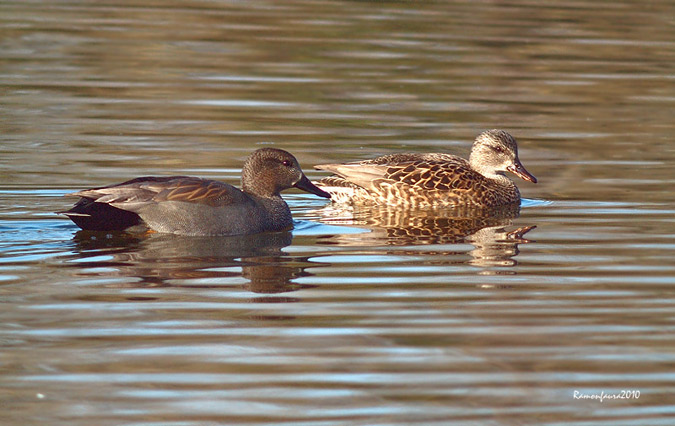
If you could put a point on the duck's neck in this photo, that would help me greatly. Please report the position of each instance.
(476, 163)
(500, 177)
(256, 183)
(279, 214)
(504, 181)
(491, 173)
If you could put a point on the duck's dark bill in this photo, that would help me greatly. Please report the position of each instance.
(308, 186)
(519, 170)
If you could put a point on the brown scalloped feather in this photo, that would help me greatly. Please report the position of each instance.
(420, 183)
(434, 179)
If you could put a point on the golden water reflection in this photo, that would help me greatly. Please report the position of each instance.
(492, 233)
(444, 237)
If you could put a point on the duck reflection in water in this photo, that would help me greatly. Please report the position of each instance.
(163, 260)
(485, 229)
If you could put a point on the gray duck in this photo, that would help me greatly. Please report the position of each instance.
(188, 205)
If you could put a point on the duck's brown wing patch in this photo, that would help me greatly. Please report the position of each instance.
(134, 190)
(134, 194)
(201, 191)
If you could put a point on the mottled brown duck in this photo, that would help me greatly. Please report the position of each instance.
(435, 179)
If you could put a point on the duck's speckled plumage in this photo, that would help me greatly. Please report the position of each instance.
(188, 205)
(435, 179)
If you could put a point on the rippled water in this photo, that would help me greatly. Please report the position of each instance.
(359, 317)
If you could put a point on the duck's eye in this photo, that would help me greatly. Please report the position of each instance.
(497, 149)
(286, 163)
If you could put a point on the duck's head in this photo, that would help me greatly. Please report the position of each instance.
(496, 151)
(268, 171)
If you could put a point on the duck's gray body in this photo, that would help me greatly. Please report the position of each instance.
(194, 206)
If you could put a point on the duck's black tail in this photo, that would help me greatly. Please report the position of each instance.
(93, 216)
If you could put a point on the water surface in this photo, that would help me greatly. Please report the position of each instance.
(363, 317)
